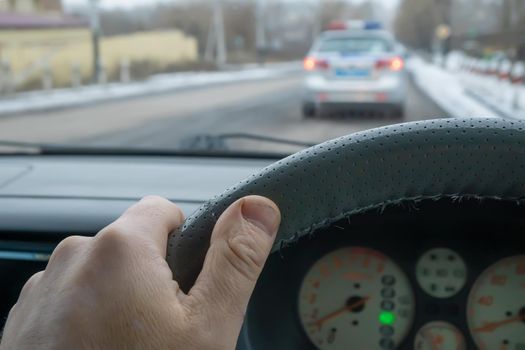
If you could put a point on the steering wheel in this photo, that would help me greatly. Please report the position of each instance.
(434, 159)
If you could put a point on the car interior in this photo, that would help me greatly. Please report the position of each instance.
(390, 237)
(390, 134)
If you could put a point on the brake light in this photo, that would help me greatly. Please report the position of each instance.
(397, 64)
(311, 64)
(394, 64)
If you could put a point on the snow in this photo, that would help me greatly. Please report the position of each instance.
(444, 88)
(502, 96)
(457, 92)
(70, 97)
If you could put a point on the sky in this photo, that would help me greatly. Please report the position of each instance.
(133, 3)
(113, 3)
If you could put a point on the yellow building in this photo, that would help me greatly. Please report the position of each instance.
(38, 43)
(31, 6)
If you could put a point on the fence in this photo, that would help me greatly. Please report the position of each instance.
(44, 59)
(498, 83)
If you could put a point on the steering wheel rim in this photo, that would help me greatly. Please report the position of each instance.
(434, 159)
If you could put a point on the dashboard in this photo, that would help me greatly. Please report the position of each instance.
(436, 275)
(45, 198)
(447, 274)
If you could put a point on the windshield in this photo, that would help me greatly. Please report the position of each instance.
(248, 76)
(354, 45)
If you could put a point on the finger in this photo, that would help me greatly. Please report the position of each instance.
(151, 219)
(239, 247)
(31, 282)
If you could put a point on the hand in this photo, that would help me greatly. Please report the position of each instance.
(115, 290)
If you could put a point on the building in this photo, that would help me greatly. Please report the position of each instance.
(31, 6)
(42, 47)
(32, 32)
(34, 14)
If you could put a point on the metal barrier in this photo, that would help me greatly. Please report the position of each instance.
(500, 83)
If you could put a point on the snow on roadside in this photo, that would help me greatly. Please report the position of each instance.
(501, 96)
(446, 90)
(63, 98)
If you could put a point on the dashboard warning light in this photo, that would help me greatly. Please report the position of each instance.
(387, 318)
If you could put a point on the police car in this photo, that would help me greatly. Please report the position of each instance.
(355, 69)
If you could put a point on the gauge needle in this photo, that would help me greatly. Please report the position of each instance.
(319, 322)
(492, 326)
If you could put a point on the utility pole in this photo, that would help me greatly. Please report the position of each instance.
(448, 6)
(260, 32)
(318, 19)
(95, 37)
(220, 39)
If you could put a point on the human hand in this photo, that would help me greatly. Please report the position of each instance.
(116, 291)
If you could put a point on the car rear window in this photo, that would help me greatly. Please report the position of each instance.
(355, 45)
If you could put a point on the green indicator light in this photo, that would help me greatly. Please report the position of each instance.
(387, 318)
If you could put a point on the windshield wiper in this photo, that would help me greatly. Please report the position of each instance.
(209, 142)
(29, 148)
(7, 147)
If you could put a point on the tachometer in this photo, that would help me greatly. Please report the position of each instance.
(356, 298)
(496, 306)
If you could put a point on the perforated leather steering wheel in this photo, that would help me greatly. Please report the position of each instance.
(455, 158)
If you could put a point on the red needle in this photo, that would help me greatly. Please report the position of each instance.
(319, 322)
(492, 326)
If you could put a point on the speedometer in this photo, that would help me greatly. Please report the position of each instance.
(356, 298)
(496, 306)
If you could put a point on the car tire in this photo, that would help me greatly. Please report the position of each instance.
(309, 110)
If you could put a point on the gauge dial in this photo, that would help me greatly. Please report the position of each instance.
(496, 306)
(439, 336)
(441, 272)
(356, 298)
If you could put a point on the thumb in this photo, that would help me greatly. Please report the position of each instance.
(239, 246)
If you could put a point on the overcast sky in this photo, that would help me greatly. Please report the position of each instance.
(133, 3)
(113, 3)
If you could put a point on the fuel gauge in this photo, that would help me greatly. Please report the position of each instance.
(439, 336)
(441, 272)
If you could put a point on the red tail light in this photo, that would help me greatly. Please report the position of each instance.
(394, 64)
(311, 64)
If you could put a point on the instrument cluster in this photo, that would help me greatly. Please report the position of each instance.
(355, 290)
(419, 283)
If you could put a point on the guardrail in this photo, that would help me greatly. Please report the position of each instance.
(500, 84)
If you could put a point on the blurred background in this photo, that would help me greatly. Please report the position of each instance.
(52, 39)
(241, 58)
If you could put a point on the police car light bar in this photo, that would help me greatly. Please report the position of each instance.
(354, 24)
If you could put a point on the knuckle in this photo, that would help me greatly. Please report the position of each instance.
(71, 242)
(31, 282)
(153, 204)
(67, 247)
(152, 199)
(247, 253)
(12, 312)
(111, 239)
(154, 207)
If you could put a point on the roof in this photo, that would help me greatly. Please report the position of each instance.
(31, 21)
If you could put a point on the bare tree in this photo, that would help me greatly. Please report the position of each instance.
(417, 20)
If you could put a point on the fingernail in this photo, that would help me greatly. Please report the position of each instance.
(262, 214)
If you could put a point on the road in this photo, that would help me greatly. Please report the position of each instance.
(264, 107)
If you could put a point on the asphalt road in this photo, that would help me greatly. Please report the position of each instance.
(264, 107)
